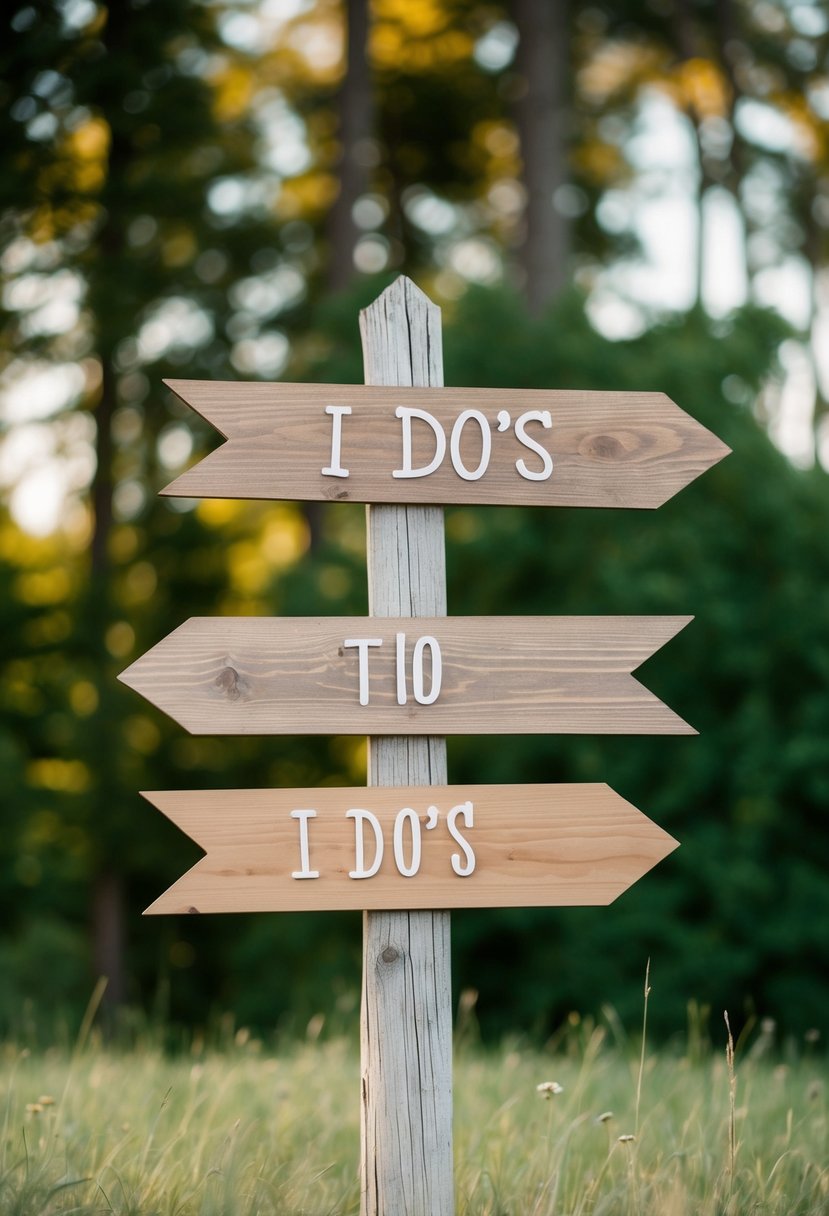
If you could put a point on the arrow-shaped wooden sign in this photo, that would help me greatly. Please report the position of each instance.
(476, 846)
(408, 676)
(364, 443)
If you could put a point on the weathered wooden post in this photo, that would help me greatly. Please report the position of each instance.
(406, 1017)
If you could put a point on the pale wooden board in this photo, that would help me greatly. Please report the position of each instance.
(609, 449)
(534, 845)
(501, 675)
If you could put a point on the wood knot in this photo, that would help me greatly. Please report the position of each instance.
(230, 683)
(390, 955)
(604, 447)
(193, 911)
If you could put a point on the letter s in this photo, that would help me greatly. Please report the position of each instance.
(464, 811)
(542, 416)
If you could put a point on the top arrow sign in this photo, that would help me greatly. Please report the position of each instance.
(365, 443)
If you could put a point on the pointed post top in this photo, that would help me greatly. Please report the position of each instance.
(401, 292)
(401, 338)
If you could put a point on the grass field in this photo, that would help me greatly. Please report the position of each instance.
(248, 1128)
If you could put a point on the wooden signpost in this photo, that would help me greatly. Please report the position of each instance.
(485, 846)
(409, 846)
(441, 676)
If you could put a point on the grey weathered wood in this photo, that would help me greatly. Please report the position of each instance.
(500, 675)
(406, 1022)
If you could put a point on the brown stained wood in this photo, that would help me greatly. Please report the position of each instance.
(609, 449)
(500, 675)
(533, 845)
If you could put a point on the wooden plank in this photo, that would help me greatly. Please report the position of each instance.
(406, 1166)
(492, 675)
(535, 447)
(471, 846)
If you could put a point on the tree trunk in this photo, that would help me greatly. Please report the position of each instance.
(355, 126)
(541, 117)
(108, 936)
(729, 39)
(107, 896)
(686, 43)
(813, 251)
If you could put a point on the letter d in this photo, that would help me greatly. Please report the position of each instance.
(406, 414)
(361, 817)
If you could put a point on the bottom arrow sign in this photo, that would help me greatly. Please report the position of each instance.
(474, 846)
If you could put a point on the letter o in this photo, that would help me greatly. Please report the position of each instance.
(417, 670)
(455, 445)
(404, 816)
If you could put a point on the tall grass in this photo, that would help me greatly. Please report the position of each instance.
(250, 1128)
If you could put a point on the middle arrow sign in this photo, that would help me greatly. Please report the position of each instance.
(409, 676)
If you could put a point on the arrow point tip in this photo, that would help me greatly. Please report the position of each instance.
(127, 677)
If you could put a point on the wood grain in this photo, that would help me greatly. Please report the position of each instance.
(501, 675)
(609, 449)
(534, 845)
(406, 1166)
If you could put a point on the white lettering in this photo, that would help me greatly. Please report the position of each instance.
(335, 469)
(362, 645)
(405, 816)
(401, 668)
(455, 445)
(360, 818)
(304, 851)
(464, 811)
(417, 670)
(542, 416)
(406, 414)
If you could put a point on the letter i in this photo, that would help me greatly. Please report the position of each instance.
(304, 849)
(401, 668)
(335, 469)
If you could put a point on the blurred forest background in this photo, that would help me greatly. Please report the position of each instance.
(609, 196)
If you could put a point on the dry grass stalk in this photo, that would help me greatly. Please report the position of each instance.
(644, 1040)
(732, 1105)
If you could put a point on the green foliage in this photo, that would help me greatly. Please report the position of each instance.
(118, 135)
(737, 915)
(118, 123)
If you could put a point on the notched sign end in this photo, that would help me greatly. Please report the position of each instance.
(172, 803)
(196, 394)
